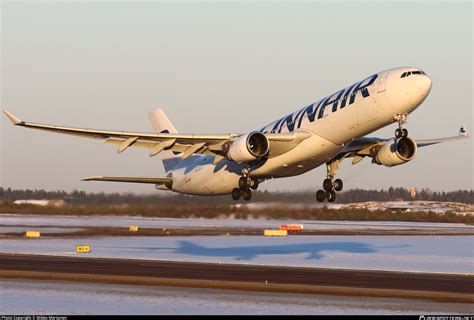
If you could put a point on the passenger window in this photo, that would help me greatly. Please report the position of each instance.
(403, 75)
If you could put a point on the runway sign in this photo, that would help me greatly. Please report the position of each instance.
(279, 233)
(133, 229)
(83, 249)
(31, 234)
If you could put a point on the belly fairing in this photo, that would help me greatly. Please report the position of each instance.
(199, 176)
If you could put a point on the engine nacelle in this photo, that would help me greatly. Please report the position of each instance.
(249, 147)
(396, 152)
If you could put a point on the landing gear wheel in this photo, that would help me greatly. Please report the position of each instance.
(331, 195)
(243, 183)
(247, 194)
(398, 133)
(254, 185)
(236, 194)
(320, 195)
(338, 185)
(401, 119)
(327, 185)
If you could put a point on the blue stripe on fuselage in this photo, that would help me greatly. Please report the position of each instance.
(338, 101)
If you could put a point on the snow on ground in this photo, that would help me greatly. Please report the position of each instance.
(10, 220)
(46, 297)
(435, 206)
(41, 229)
(415, 205)
(446, 254)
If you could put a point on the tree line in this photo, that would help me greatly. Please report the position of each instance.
(305, 197)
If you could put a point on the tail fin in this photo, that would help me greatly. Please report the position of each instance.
(161, 124)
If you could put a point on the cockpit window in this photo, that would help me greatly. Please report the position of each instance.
(409, 73)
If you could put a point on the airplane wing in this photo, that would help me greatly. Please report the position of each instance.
(366, 146)
(157, 142)
(461, 135)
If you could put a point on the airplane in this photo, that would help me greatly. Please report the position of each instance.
(324, 132)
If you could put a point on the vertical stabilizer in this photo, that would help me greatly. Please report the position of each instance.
(161, 124)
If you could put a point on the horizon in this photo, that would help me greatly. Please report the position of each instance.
(427, 190)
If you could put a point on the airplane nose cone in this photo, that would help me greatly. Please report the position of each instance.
(407, 93)
(424, 83)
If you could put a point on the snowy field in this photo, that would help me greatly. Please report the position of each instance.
(415, 205)
(8, 222)
(446, 254)
(46, 297)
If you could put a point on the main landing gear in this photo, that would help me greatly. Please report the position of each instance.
(330, 185)
(400, 132)
(246, 183)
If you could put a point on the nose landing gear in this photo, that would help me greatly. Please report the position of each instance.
(400, 132)
(330, 185)
(246, 183)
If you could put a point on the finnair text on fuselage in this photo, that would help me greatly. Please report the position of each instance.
(319, 109)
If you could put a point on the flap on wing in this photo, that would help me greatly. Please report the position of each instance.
(166, 181)
(284, 142)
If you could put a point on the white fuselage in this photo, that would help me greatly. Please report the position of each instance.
(332, 123)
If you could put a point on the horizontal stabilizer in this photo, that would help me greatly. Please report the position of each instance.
(166, 181)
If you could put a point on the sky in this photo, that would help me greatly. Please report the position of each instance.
(220, 67)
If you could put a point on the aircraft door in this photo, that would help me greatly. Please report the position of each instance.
(382, 83)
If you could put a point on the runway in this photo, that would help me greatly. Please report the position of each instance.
(443, 287)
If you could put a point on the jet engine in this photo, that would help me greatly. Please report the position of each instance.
(248, 147)
(396, 152)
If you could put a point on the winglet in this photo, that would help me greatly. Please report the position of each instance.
(12, 118)
(462, 131)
